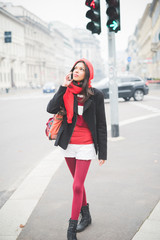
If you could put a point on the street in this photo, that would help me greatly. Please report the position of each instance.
(122, 193)
(23, 142)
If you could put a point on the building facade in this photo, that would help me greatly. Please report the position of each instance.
(81, 44)
(143, 50)
(41, 52)
(12, 52)
(155, 38)
(43, 48)
(144, 45)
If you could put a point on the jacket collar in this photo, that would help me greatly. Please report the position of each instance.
(86, 104)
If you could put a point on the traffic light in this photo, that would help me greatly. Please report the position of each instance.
(94, 14)
(113, 12)
(7, 37)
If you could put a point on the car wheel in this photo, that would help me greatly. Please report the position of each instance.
(126, 98)
(138, 95)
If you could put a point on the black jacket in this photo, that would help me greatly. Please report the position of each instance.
(93, 114)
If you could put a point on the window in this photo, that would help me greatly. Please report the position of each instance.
(156, 13)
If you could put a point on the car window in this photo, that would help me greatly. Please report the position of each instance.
(122, 80)
(128, 79)
(135, 80)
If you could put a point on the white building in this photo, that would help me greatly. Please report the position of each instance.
(67, 44)
(41, 52)
(12, 54)
(43, 48)
(80, 43)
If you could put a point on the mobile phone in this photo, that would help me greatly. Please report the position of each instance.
(71, 76)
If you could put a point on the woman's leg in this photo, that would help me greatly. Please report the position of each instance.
(80, 174)
(71, 162)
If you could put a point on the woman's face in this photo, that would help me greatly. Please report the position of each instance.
(79, 72)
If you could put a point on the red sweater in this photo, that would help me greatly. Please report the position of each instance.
(81, 133)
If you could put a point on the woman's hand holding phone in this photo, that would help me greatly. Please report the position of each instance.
(68, 79)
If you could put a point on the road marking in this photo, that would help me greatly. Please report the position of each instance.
(133, 120)
(156, 113)
(115, 139)
(16, 211)
(137, 119)
(150, 108)
(153, 97)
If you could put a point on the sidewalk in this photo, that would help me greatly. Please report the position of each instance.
(150, 230)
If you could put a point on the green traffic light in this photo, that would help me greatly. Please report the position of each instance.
(113, 12)
(114, 25)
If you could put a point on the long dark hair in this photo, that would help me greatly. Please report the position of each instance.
(86, 91)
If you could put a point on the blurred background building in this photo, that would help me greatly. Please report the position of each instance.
(12, 55)
(144, 45)
(33, 52)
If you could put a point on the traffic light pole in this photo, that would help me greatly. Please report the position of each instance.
(113, 88)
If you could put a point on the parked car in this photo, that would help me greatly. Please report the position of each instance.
(49, 88)
(128, 87)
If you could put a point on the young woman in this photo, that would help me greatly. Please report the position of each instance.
(82, 135)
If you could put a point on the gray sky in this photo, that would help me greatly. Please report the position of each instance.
(72, 12)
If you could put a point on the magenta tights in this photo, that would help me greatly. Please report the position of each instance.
(78, 169)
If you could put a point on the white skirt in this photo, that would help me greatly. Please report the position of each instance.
(80, 151)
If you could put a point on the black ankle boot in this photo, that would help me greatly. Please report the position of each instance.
(85, 220)
(71, 233)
